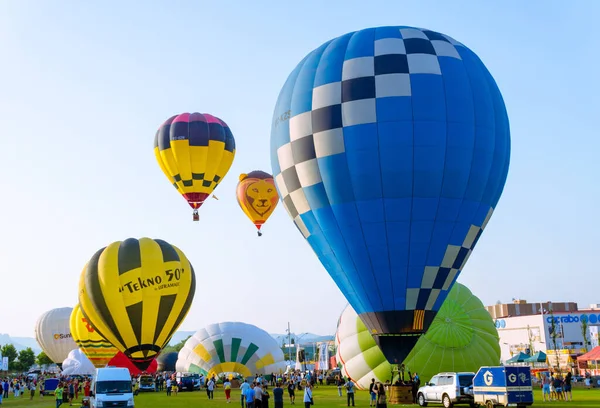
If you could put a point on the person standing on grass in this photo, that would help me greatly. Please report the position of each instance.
(278, 396)
(258, 393)
(32, 389)
(291, 391)
(567, 387)
(372, 395)
(210, 388)
(243, 388)
(168, 387)
(58, 394)
(308, 397)
(545, 388)
(249, 394)
(71, 392)
(227, 389)
(349, 391)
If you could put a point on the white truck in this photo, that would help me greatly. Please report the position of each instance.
(111, 388)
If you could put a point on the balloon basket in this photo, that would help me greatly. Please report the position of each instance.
(195, 216)
(259, 233)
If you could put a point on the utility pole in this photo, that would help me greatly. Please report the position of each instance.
(289, 343)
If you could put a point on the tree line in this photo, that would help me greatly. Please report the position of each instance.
(22, 360)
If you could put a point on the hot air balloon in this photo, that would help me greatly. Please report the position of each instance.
(53, 334)
(195, 151)
(167, 361)
(462, 337)
(77, 363)
(136, 293)
(231, 347)
(257, 196)
(390, 148)
(96, 348)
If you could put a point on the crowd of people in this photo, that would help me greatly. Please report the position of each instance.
(555, 387)
(67, 389)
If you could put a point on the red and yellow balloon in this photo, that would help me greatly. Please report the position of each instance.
(257, 196)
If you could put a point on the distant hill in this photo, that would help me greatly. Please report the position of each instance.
(20, 343)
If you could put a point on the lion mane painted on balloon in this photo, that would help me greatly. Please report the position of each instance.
(257, 192)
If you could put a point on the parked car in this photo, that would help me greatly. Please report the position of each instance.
(331, 376)
(146, 383)
(188, 381)
(448, 389)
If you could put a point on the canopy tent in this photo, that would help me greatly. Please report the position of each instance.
(518, 358)
(539, 357)
(592, 355)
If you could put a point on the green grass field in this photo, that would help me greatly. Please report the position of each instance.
(324, 397)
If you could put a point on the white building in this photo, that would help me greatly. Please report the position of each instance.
(532, 333)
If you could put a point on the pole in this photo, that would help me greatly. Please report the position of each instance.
(289, 343)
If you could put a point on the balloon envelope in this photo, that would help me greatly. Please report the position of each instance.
(390, 149)
(53, 334)
(96, 348)
(167, 361)
(257, 196)
(136, 293)
(121, 360)
(462, 337)
(195, 152)
(231, 347)
(77, 363)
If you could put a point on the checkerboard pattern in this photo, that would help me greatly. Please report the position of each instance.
(365, 107)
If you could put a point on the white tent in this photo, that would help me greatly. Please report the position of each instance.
(77, 364)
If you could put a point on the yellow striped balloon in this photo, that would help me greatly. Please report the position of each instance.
(136, 293)
(195, 152)
(95, 347)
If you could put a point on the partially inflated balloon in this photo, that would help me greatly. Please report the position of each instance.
(53, 334)
(96, 348)
(462, 337)
(257, 196)
(390, 148)
(231, 347)
(136, 293)
(195, 152)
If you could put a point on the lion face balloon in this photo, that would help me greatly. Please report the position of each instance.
(257, 196)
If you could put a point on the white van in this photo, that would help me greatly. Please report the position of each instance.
(111, 387)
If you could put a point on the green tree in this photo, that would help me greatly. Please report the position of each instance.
(43, 359)
(584, 332)
(16, 366)
(177, 347)
(26, 358)
(553, 337)
(8, 350)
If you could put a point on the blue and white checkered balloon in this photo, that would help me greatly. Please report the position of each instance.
(390, 148)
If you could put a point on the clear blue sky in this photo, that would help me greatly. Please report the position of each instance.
(84, 86)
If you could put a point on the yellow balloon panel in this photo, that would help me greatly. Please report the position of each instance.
(136, 294)
(95, 347)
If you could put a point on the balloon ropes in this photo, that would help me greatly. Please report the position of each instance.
(390, 149)
(462, 337)
(231, 347)
(136, 293)
(195, 152)
(257, 196)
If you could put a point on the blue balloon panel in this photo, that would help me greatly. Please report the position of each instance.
(390, 148)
